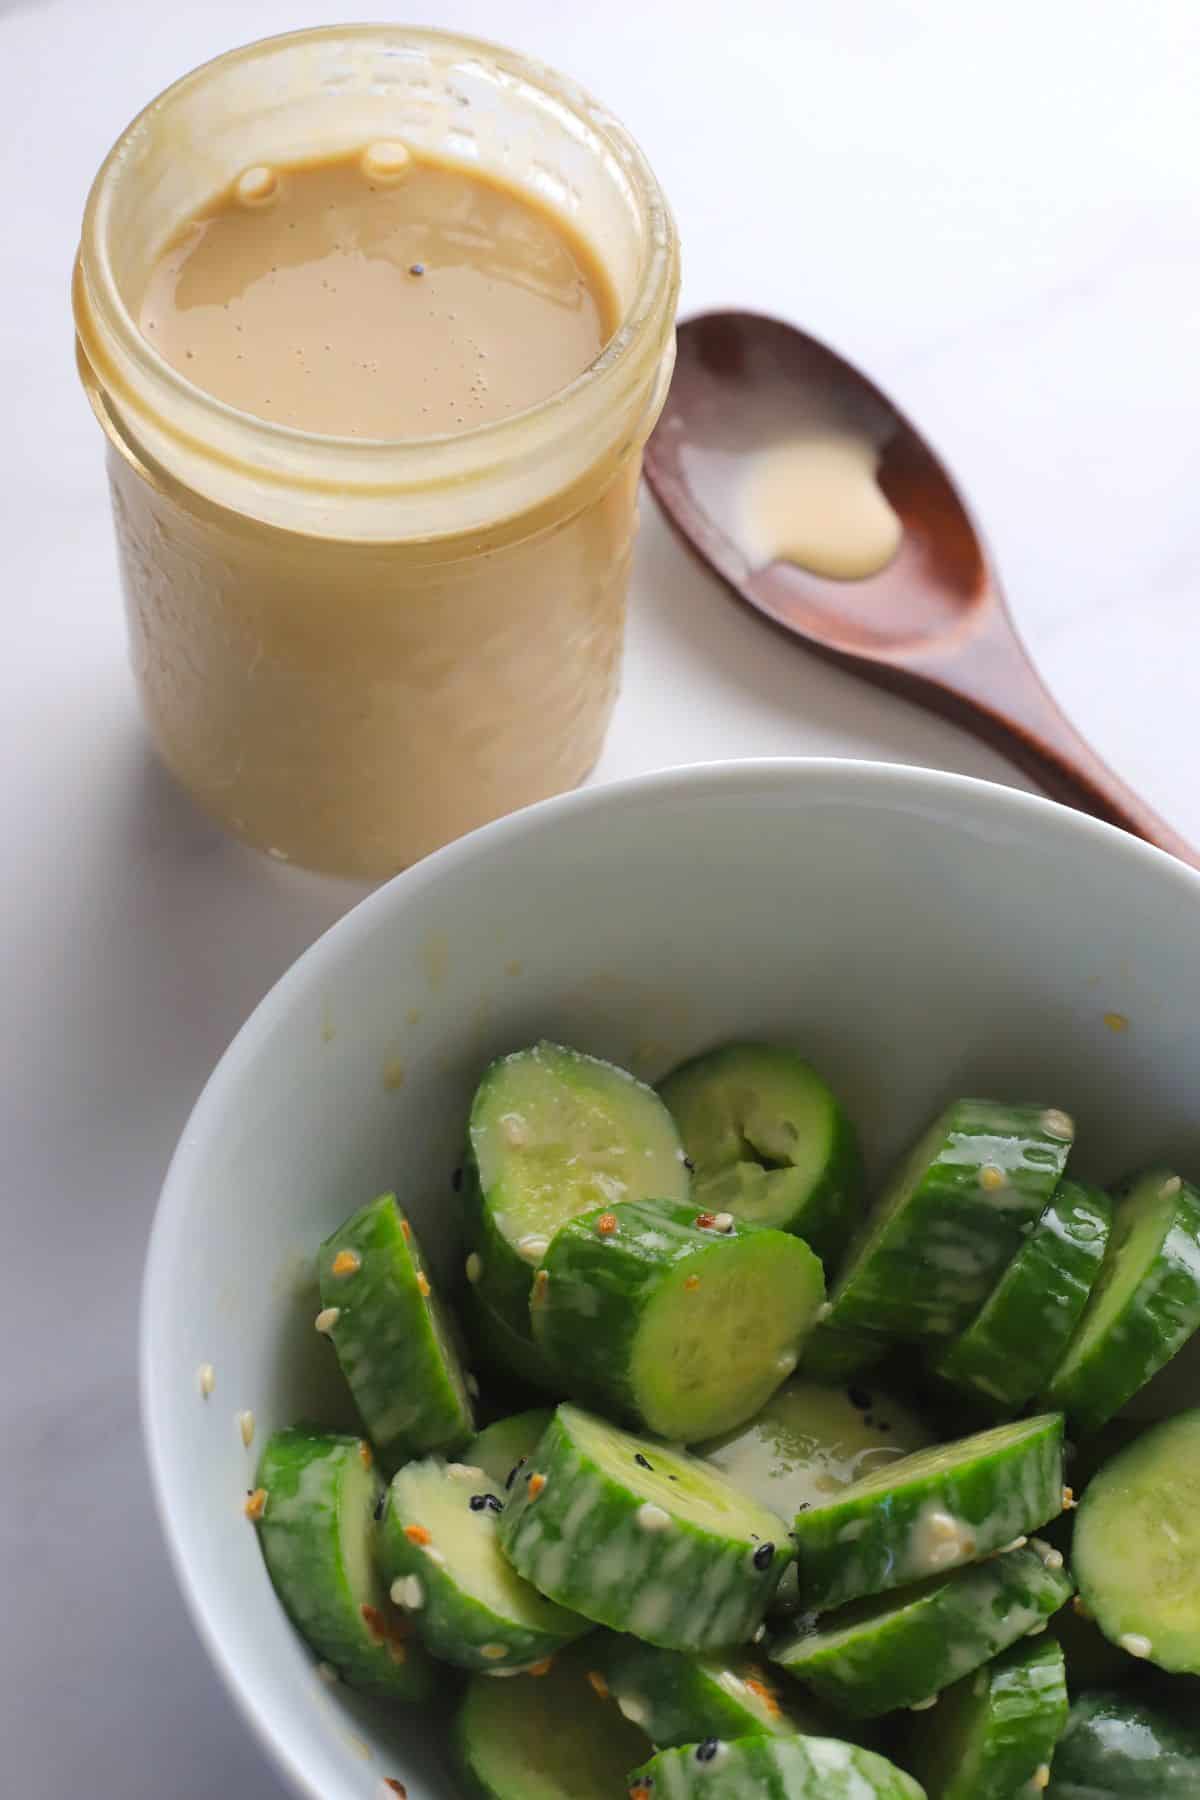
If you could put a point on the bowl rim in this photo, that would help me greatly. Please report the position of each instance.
(908, 781)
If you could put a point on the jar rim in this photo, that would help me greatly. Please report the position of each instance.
(127, 362)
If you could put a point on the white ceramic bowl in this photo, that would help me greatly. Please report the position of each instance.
(917, 934)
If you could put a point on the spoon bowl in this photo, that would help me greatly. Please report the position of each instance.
(932, 624)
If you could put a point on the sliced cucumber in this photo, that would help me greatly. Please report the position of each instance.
(315, 1510)
(680, 1699)
(758, 1768)
(952, 1216)
(641, 1537)
(769, 1142)
(1116, 1747)
(932, 1511)
(1137, 1546)
(1012, 1347)
(554, 1133)
(680, 1321)
(507, 1359)
(500, 1448)
(397, 1346)
(901, 1649)
(544, 1738)
(439, 1553)
(991, 1737)
(834, 1352)
(1144, 1306)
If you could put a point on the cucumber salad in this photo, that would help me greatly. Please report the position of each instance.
(755, 1484)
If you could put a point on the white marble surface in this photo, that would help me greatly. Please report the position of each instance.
(992, 207)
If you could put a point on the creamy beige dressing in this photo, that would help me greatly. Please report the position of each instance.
(813, 499)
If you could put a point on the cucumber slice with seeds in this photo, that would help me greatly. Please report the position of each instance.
(397, 1346)
(1116, 1747)
(554, 1133)
(641, 1537)
(1137, 1546)
(877, 1655)
(680, 1699)
(680, 1321)
(758, 1768)
(439, 1553)
(1011, 1349)
(1144, 1306)
(933, 1511)
(315, 1510)
(547, 1738)
(952, 1216)
(500, 1448)
(993, 1735)
(769, 1142)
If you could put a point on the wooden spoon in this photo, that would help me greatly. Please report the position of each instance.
(933, 624)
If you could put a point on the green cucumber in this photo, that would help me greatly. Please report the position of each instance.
(553, 1133)
(932, 1511)
(1137, 1546)
(439, 1553)
(680, 1699)
(501, 1447)
(1010, 1350)
(1144, 1306)
(901, 1649)
(834, 1352)
(315, 1510)
(679, 1321)
(953, 1214)
(1116, 1747)
(641, 1537)
(769, 1142)
(759, 1768)
(547, 1738)
(992, 1736)
(398, 1348)
(506, 1358)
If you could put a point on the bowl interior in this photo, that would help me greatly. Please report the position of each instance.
(917, 935)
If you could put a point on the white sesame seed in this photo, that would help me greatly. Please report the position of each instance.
(1053, 1559)
(1170, 1187)
(408, 1591)
(494, 1652)
(924, 1705)
(1135, 1643)
(254, 188)
(327, 1318)
(386, 160)
(1018, 1543)
(723, 1221)
(474, 1267)
(653, 1518)
(1037, 1630)
(472, 1385)
(499, 1672)
(533, 1248)
(1040, 1779)
(786, 1363)
(759, 1635)
(328, 1673)
(992, 1178)
(464, 1472)
(1058, 1124)
(435, 1555)
(633, 1709)
(823, 1311)
(206, 1379)
(245, 1425)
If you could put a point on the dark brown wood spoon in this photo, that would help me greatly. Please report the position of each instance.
(933, 624)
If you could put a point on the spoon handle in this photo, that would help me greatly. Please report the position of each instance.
(988, 684)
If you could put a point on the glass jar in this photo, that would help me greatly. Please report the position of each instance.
(352, 651)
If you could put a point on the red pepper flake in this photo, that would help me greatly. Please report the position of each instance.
(423, 1283)
(406, 1228)
(606, 1224)
(759, 1688)
(692, 1283)
(365, 1454)
(397, 1787)
(374, 1621)
(255, 1504)
(705, 1221)
(536, 1485)
(418, 1534)
(640, 1792)
(346, 1262)
(599, 1685)
(541, 1668)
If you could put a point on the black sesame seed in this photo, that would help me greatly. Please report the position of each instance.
(764, 1556)
(516, 1470)
(416, 268)
(456, 1181)
(493, 1505)
(689, 1165)
(478, 1502)
(883, 1425)
(707, 1750)
(803, 1507)
(641, 1462)
(860, 1398)
(380, 1504)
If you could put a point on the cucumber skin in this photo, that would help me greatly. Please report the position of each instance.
(300, 1555)
(706, 1598)
(497, 1448)
(1010, 1350)
(930, 1638)
(826, 1216)
(892, 1283)
(504, 1356)
(834, 1354)
(1119, 1747)
(1011, 1727)
(679, 1699)
(410, 1392)
(789, 1768)
(599, 1286)
(1161, 1315)
(854, 1546)
(453, 1625)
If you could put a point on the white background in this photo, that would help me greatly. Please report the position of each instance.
(993, 207)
